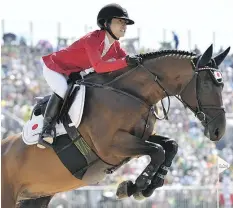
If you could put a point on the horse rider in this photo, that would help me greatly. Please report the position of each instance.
(99, 50)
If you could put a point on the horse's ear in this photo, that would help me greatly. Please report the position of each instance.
(206, 57)
(220, 57)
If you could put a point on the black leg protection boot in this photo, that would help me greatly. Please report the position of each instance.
(50, 116)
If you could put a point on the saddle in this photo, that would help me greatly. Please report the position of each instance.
(68, 120)
(63, 117)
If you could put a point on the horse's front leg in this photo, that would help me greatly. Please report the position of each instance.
(127, 145)
(171, 147)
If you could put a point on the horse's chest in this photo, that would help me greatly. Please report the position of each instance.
(144, 127)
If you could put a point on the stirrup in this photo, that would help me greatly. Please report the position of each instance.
(45, 142)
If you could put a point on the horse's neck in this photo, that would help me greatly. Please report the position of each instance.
(173, 75)
(141, 84)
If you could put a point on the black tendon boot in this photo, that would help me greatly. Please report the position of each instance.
(50, 116)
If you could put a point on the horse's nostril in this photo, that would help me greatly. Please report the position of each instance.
(216, 132)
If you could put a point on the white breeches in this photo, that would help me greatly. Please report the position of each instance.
(56, 81)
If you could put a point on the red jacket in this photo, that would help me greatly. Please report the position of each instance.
(86, 53)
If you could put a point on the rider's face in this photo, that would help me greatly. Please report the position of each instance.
(118, 27)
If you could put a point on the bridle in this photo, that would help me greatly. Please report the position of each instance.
(198, 112)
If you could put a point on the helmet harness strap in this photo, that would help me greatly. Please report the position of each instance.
(107, 28)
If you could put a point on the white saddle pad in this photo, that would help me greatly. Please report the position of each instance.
(33, 127)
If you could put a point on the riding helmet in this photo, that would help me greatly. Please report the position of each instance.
(111, 11)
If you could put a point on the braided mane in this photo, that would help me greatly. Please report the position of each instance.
(166, 53)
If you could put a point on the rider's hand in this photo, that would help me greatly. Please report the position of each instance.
(74, 76)
(133, 60)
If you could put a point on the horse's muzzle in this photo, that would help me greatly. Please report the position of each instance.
(216, 128)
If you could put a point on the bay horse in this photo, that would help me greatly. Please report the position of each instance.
(117, 125)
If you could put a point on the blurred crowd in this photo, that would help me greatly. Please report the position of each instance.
(195, 163)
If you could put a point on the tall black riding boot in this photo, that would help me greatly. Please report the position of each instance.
(51, 113)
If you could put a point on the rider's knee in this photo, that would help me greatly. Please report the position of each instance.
(171, 146)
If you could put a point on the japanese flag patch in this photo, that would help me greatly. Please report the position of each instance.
(217, 75)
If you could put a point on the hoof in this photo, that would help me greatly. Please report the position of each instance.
(138, 196)
(122, 190)
(148, 192)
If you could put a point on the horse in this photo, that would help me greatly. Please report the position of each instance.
(117, 124)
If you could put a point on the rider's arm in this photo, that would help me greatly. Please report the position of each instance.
(100, 66)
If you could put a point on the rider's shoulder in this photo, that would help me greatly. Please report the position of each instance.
(96, 34)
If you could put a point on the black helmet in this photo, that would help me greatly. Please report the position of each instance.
(112, 11)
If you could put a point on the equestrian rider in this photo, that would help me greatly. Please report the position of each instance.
(99, 50)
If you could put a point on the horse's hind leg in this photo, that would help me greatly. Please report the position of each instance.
(127, 145)
(42, 202)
